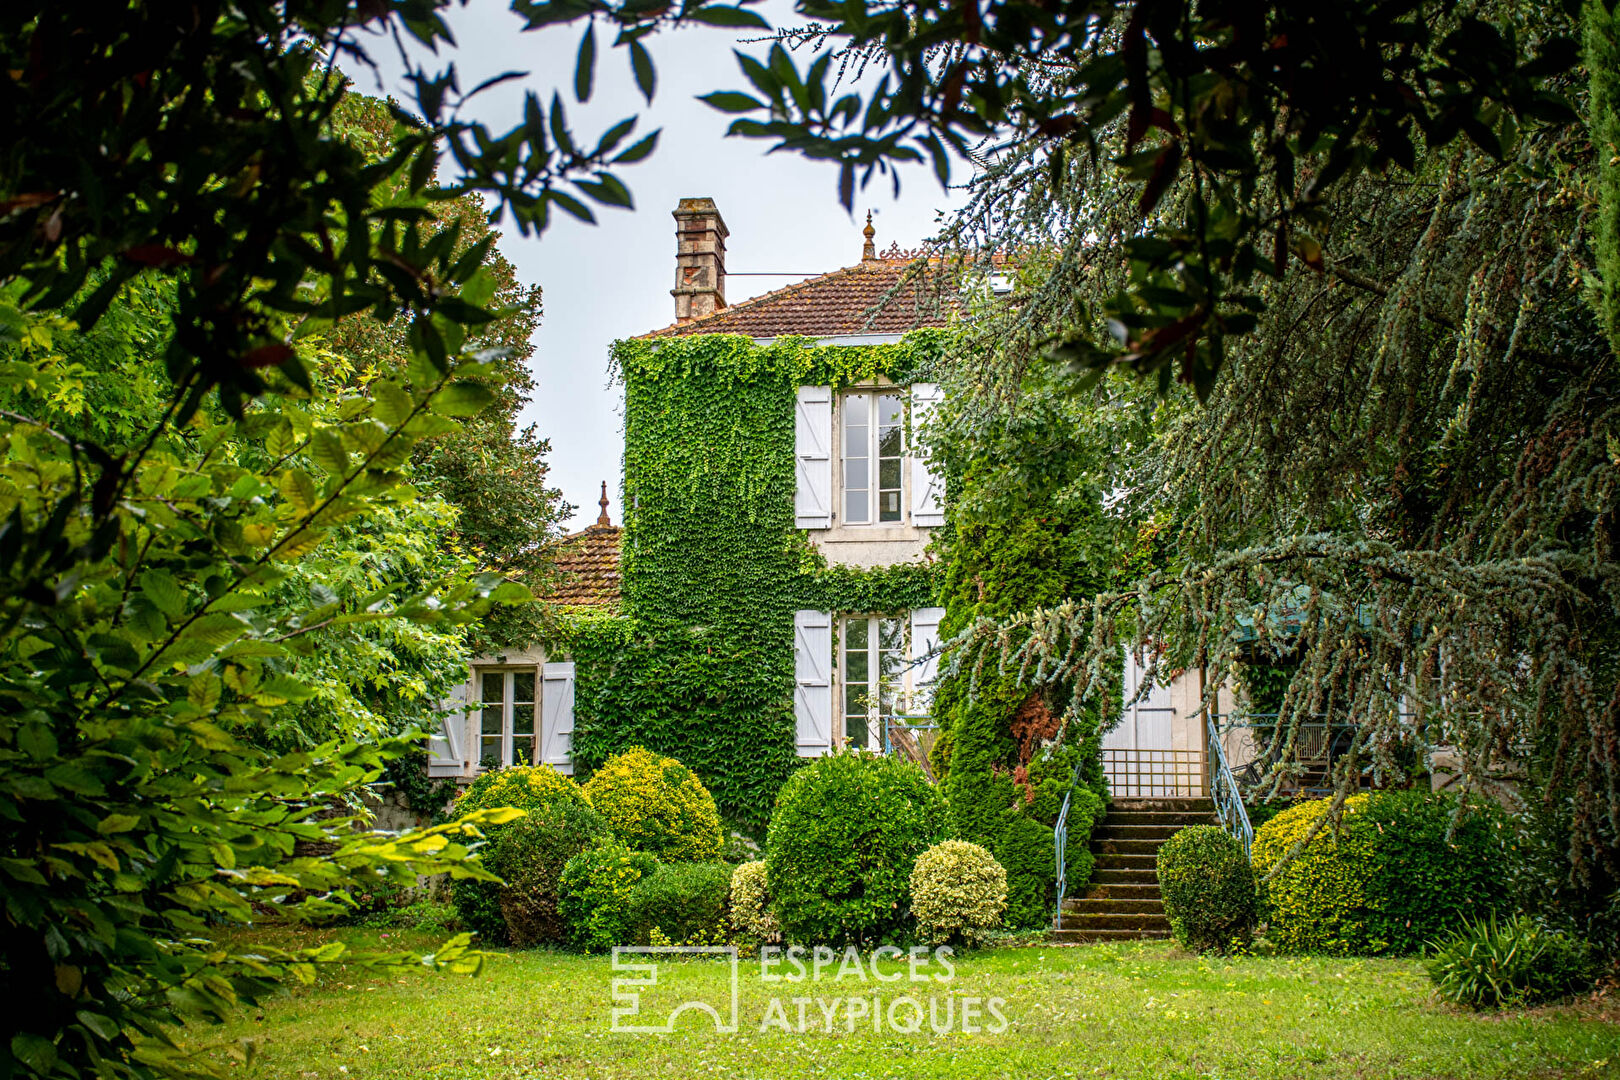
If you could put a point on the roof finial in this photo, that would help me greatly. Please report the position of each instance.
(869, 252)
(602, 518)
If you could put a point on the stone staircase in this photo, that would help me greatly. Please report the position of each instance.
(1122, 901)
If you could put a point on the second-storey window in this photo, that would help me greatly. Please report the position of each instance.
(873, 457)
(506, 711)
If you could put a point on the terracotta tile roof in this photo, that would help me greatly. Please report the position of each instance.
(587, 569)
(889, 294)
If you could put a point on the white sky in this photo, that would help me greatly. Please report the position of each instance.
(612, 280)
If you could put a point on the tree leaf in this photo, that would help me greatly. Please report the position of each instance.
(585, 65)
(463, 398)
(160, 587)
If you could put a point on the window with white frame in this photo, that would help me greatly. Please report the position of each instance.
(506, 717)
(872, 670)
(872, 456)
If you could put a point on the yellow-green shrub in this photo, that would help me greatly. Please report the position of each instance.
(655, 804)
(752, 922)
(1387, 881)
(958, 893)
(528, 788)
(594, 894)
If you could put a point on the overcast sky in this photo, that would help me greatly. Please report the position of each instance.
(612, 280)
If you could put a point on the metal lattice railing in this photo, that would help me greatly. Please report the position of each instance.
(1154, 774)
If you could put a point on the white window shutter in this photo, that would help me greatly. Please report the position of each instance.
(557, 717)
(812, 693)
(812, 441)
(925, 661)
(927, 487)
(447, 751)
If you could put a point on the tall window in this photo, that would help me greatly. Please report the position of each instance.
(506, 725)
(874, 661)
(873, 457)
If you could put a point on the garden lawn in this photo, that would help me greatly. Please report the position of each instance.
(1116, 1010)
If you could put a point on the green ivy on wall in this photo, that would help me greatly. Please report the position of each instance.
(700, 664)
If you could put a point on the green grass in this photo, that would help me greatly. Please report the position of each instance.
(1132, 1010)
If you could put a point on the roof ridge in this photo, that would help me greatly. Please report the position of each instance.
(761, 298)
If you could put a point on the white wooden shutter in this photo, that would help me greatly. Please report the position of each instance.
(447, 751)
(557, 717)
(812, 441)
(927, 488)
(812, 694)
(925, 667)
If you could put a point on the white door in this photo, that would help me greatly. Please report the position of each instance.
(1139, 756)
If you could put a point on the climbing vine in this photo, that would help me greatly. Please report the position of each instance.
(700, 663)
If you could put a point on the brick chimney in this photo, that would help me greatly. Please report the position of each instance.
(700, 260)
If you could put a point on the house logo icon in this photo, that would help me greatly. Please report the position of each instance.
(639, 963)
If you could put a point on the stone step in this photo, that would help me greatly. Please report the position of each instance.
(1114, 890)
(1115, 860)
(1156, 817)
(1086, 905)
(1164, 805)
(1111, 830)
(1140, 920)
(1145, 848)
(1071, 936)
(1108, 876)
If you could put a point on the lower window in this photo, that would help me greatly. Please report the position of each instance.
(873, 655)
(506, 724)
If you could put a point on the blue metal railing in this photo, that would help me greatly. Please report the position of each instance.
(1223, 788)
(1060, 846)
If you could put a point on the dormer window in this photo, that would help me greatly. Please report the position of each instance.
(873, 456)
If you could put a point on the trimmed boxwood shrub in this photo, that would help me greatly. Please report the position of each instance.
(478, 903)
(752, 922)
(526, 787)
(594, 894)
(1208, 889)
(656, 804)
(529, 855)
(958, 893)
(845, 835)
(1387, 881)
(684, 902)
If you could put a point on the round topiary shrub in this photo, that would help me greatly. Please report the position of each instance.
(958, 893)
(752, 922)
(845, 835)
(656, 804)
(1387, 881)
(1208, 889)
(594, 894)
(478, 903)
(681, 904)
(527, 787)
(529, 855)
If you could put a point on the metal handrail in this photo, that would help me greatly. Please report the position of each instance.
(1223, 789)
(911, 722)
(1060, 845)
